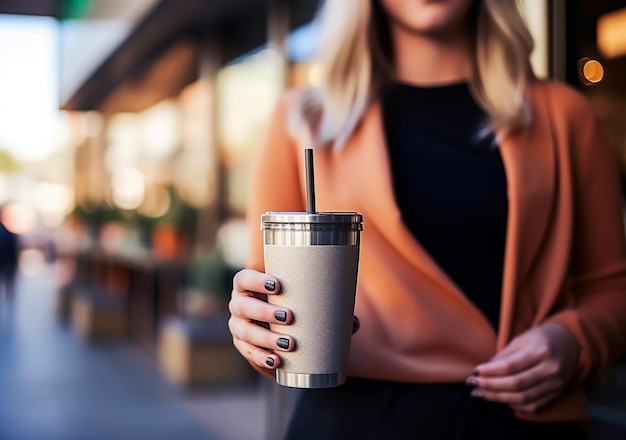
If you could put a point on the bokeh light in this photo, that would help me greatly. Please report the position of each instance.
(590, 71)
(593, 71)
(19, 218)
(128, 188)
(159, 130)
(157, 202)
(611, 34)
(53, 201)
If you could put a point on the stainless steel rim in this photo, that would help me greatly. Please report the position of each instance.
(299, 380)
(350, 220)
(304, 229)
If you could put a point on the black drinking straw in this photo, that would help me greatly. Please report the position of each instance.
(310, 181)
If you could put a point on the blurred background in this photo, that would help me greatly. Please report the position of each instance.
(127, 129)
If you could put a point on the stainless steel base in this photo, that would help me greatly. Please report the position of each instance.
(296, 380)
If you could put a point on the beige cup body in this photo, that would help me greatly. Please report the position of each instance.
(318, 284)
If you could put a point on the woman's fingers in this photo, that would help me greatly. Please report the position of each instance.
(245, 304)
(254, 334)
(538, 403)
(533, 370)
(514, 361)
(254, 309)
(259, 357)
(250, 281)
(515, 382)
(249, 312)
(518, 397)
(530, 400)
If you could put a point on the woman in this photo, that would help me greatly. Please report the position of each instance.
(492, 280)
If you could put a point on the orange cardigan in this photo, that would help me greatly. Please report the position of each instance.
(565, 257)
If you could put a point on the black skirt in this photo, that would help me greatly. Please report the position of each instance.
(369, 409)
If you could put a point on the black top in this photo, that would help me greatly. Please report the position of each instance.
(450, 185)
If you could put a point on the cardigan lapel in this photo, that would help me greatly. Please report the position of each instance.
(364, 166)
(530, 164)
(529, 161)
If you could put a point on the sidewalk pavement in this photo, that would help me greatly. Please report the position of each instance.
(54, 386)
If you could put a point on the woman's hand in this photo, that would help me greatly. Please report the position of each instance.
(531, 371)
(250, 313)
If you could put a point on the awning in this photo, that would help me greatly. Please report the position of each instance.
(159, 56)
(50, 8)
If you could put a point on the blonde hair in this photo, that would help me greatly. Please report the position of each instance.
(355, 60)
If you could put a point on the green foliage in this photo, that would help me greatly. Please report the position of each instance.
(210, 273)
(181, 214)
(95, 215)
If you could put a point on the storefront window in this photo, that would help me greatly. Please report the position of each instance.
(247, 93)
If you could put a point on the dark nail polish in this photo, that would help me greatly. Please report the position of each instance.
(270, 285)
(269, 361)
(475, 373)
(470, 382)
(280, 315)
(283, 343)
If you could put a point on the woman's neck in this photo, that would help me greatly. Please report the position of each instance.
(431, 60)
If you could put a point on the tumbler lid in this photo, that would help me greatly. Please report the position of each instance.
(346, 219)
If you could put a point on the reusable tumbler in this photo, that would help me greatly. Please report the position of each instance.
(315, 256)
